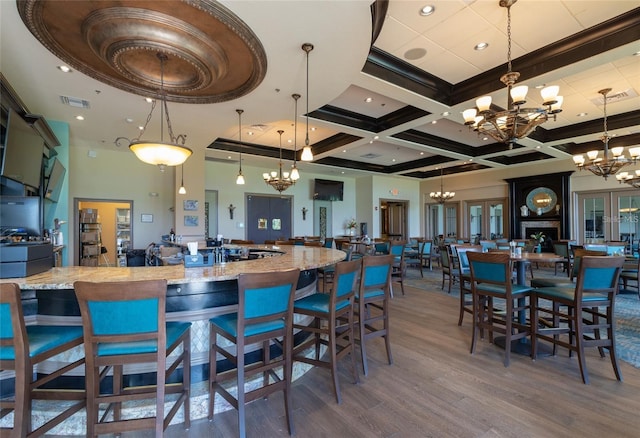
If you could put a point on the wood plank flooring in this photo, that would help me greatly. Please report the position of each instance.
(435, 388)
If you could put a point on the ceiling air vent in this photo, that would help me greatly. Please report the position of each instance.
(618, 96)
(75, 102)
(370, 156)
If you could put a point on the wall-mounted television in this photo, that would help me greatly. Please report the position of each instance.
(55, 180)
(22, 152)
(328, 190)
(20, 216)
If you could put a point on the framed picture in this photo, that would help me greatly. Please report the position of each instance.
(191, 221)
(190, 204)
(146, 218)
(262, 224)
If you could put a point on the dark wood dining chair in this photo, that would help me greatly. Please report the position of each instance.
(491, 275)
(22, 349)
(448, 266)
(466, 300)
(264, 317)
(582, 314)
(125, 325)
(332, 323)
(372, 304)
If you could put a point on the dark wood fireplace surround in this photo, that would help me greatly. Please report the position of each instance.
(555, 223)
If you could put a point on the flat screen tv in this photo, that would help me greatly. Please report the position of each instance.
(20, 216)
(22, 152)
(328, 190)
(54, 180)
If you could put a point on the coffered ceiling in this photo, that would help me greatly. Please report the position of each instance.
(387, 86)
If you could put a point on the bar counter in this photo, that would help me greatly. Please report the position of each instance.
(193, 294)
(293, 256)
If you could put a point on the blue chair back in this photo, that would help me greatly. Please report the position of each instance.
(463, 258)
(12, 328)
(599, 275)
(376, 271)
(382, 247)
(426, 248)
(488, 244)
(265, 296)
(491, 267)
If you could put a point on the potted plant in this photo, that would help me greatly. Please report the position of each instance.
(351, 225)
(538, 240)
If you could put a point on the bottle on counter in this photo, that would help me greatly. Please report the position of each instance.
(172, 235)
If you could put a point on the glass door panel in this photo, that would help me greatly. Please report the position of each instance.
(496, 220)
(594, 214)
(625, 228)
(475, 222)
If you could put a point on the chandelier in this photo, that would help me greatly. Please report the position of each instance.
(279, 180)
(633, 179)
(515, 122)
(307, 154)
(160, 153)
(240, 178)
(607, 166)
(441, 197)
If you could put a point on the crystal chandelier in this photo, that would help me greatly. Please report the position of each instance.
(441, 197)
(279, 180)
(515, 122)
(160, 153)
(607, 166)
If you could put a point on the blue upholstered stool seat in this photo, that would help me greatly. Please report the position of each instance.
(45, 338)
(568, 294)
(229, 323)
(516, 289)
(318, 303)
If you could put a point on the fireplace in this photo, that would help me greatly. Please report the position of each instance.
(551, 230)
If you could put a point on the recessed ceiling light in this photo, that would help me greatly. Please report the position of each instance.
(582, 114)
(485, 138)
(481, 46)
(433, 122)
(344, 150)
(375, 137)
(79, 118)
(313, 129)
(421, 153)
(637, 53)
(128, 120)
(470, 159)
(427, 10)
(445, 114)
(393, 161)
(148, 99)
(64, 69)
(141, 128)
(250, 132)
(369, 99)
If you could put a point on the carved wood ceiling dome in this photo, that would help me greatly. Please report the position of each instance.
(213, 56)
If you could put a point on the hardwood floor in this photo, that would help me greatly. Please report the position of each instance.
(435, 388)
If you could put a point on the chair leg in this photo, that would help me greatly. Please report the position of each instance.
(22, 405)
(333, 358)
(476, 319)
(611, 325)
(288, 372)
(240, 388)
(362, 334)
(579, 345)
(508, 331)
(462, 303)
(213, 371)
(352, 345)
(387, 341)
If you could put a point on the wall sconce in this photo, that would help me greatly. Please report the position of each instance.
(231, 208)
(304, 213)
(524, 211)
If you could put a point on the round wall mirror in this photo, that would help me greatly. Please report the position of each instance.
(541, 200)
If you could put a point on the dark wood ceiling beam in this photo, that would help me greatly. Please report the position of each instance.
(352, 119)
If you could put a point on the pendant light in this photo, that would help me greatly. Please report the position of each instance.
(307, 155)
(161, 153)
(240, 178)
(182, 190)
(295, 174)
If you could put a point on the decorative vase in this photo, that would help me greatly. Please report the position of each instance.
(352, 231)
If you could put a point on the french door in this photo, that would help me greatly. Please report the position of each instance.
(486, 219)
(604, 216)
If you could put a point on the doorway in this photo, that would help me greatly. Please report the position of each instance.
(114, 227)
(268, 218)
(393, 219)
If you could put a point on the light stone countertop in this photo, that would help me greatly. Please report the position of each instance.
(293, 256)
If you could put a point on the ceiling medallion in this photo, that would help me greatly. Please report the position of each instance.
(213, 55)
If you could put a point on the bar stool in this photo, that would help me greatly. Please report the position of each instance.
(372, 303)
(265, 313)
(333, 323)
(21, 348)
(125, 324)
